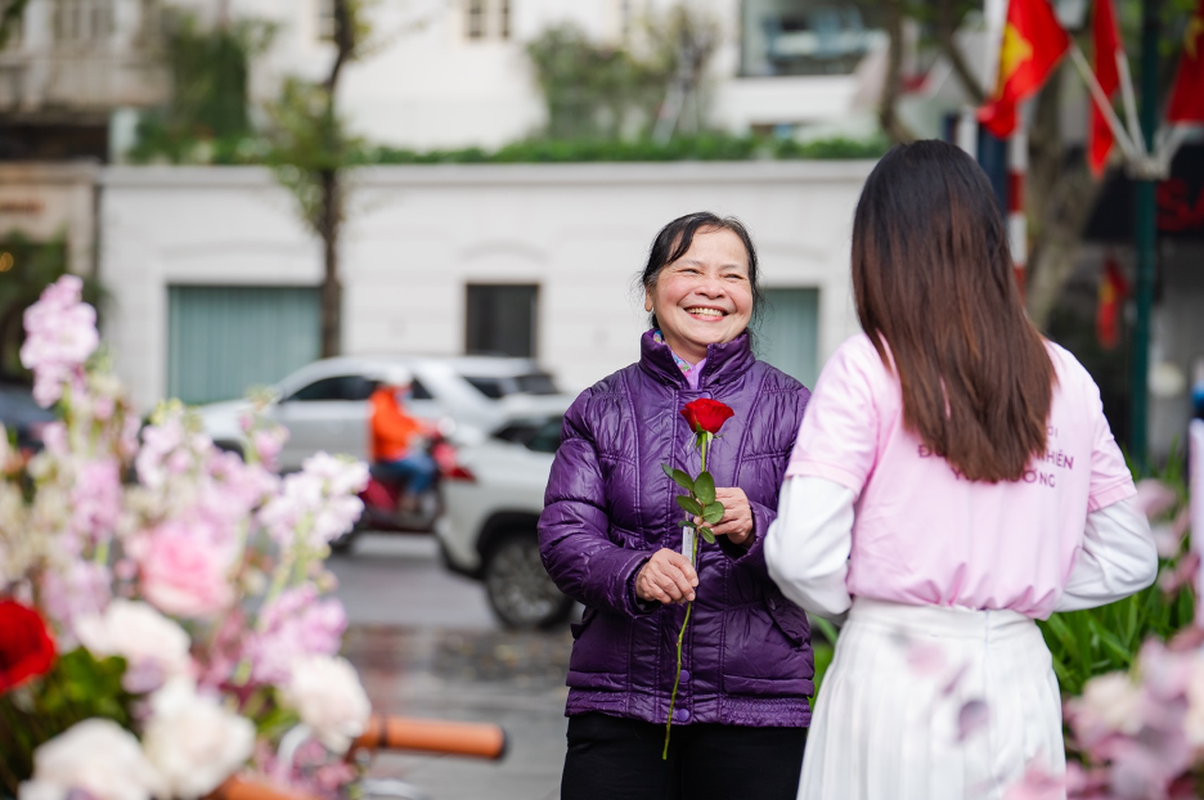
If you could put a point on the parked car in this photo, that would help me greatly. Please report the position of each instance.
(23, 419)
(493, 502)
(324, 404)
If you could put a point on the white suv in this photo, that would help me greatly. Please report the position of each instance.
(324, 404)
(493, 502)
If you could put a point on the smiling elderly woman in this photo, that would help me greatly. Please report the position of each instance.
(611, 536)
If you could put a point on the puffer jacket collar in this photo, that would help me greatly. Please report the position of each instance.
(725, 360)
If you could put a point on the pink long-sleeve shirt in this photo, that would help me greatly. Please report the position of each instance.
(914, 530)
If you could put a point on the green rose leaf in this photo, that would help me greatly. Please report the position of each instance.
(680, 477)
(713, 512)
(704, 488)
(690, 505)
(707, 535)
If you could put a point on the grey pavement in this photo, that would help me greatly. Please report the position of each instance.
(427, 646)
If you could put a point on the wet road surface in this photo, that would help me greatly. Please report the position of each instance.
(426, 646)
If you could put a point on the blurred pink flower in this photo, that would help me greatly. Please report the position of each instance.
(80, 587)
(298, 623)
(971, 717)
(60, 335)
(925, 658)
(1184, 573)
(1037, 784)
(96, 499)
(1153, 497)
(185, 576)
(316, 504)
(150, 544)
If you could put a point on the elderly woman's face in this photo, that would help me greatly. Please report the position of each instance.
(704, 297)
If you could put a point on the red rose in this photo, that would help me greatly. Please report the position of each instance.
(706, 415)
(26, 648)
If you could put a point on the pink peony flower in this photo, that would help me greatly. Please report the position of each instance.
(185, 576)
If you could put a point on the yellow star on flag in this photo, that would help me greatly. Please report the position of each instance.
(1195, 29)
(1014, 50)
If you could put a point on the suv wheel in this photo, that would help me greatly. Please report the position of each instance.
(520, 592)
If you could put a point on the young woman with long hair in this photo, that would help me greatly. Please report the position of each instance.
(953, 480)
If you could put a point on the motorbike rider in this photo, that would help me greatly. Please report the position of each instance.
(397, 441)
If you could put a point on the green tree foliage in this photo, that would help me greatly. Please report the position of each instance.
(11, 14)
(591, 90)
(307, 140)
(208, 110)
(709, 146)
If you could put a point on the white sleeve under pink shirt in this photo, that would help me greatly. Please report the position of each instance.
(867, 511)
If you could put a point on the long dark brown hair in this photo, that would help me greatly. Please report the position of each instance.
(936, 293)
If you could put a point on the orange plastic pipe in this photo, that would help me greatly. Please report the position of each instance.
(247, 789)
(477, 739)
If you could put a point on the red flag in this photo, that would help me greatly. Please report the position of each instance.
(1187, 96)
(1033, 43)
(1113, 288)
(1107, 47)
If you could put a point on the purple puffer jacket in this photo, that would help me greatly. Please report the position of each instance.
(746, 655)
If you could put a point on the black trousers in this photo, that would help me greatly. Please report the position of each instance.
(610, 758)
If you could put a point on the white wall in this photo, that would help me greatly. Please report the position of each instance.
(418, 234)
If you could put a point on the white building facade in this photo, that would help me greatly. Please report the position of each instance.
(424, 241)
(454, 73)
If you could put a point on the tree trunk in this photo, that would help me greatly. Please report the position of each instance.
(946, 28)
(331, 212)
(332, 286)
(892, 84)
(1059, 199)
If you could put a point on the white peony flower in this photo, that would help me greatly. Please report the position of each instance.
(140, 634)
(193, 741)
(326, 692)
(96, 756)
(1113, 701)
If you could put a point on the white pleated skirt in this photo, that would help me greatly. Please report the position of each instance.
(931, 703)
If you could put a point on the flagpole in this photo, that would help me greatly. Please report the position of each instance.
(1144, 242)
(1132, 154)
(1126, 94)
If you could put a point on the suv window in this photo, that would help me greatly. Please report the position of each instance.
(342, 387)
(537, 383)
(418, 391)
(540, 436)
(547, 438)
(490, 387)
(495, 388)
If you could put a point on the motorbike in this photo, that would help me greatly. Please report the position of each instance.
(382, 496)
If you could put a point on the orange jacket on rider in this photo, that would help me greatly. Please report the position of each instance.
(391, 428)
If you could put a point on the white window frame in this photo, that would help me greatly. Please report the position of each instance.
(324, 20)
(488, 20)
